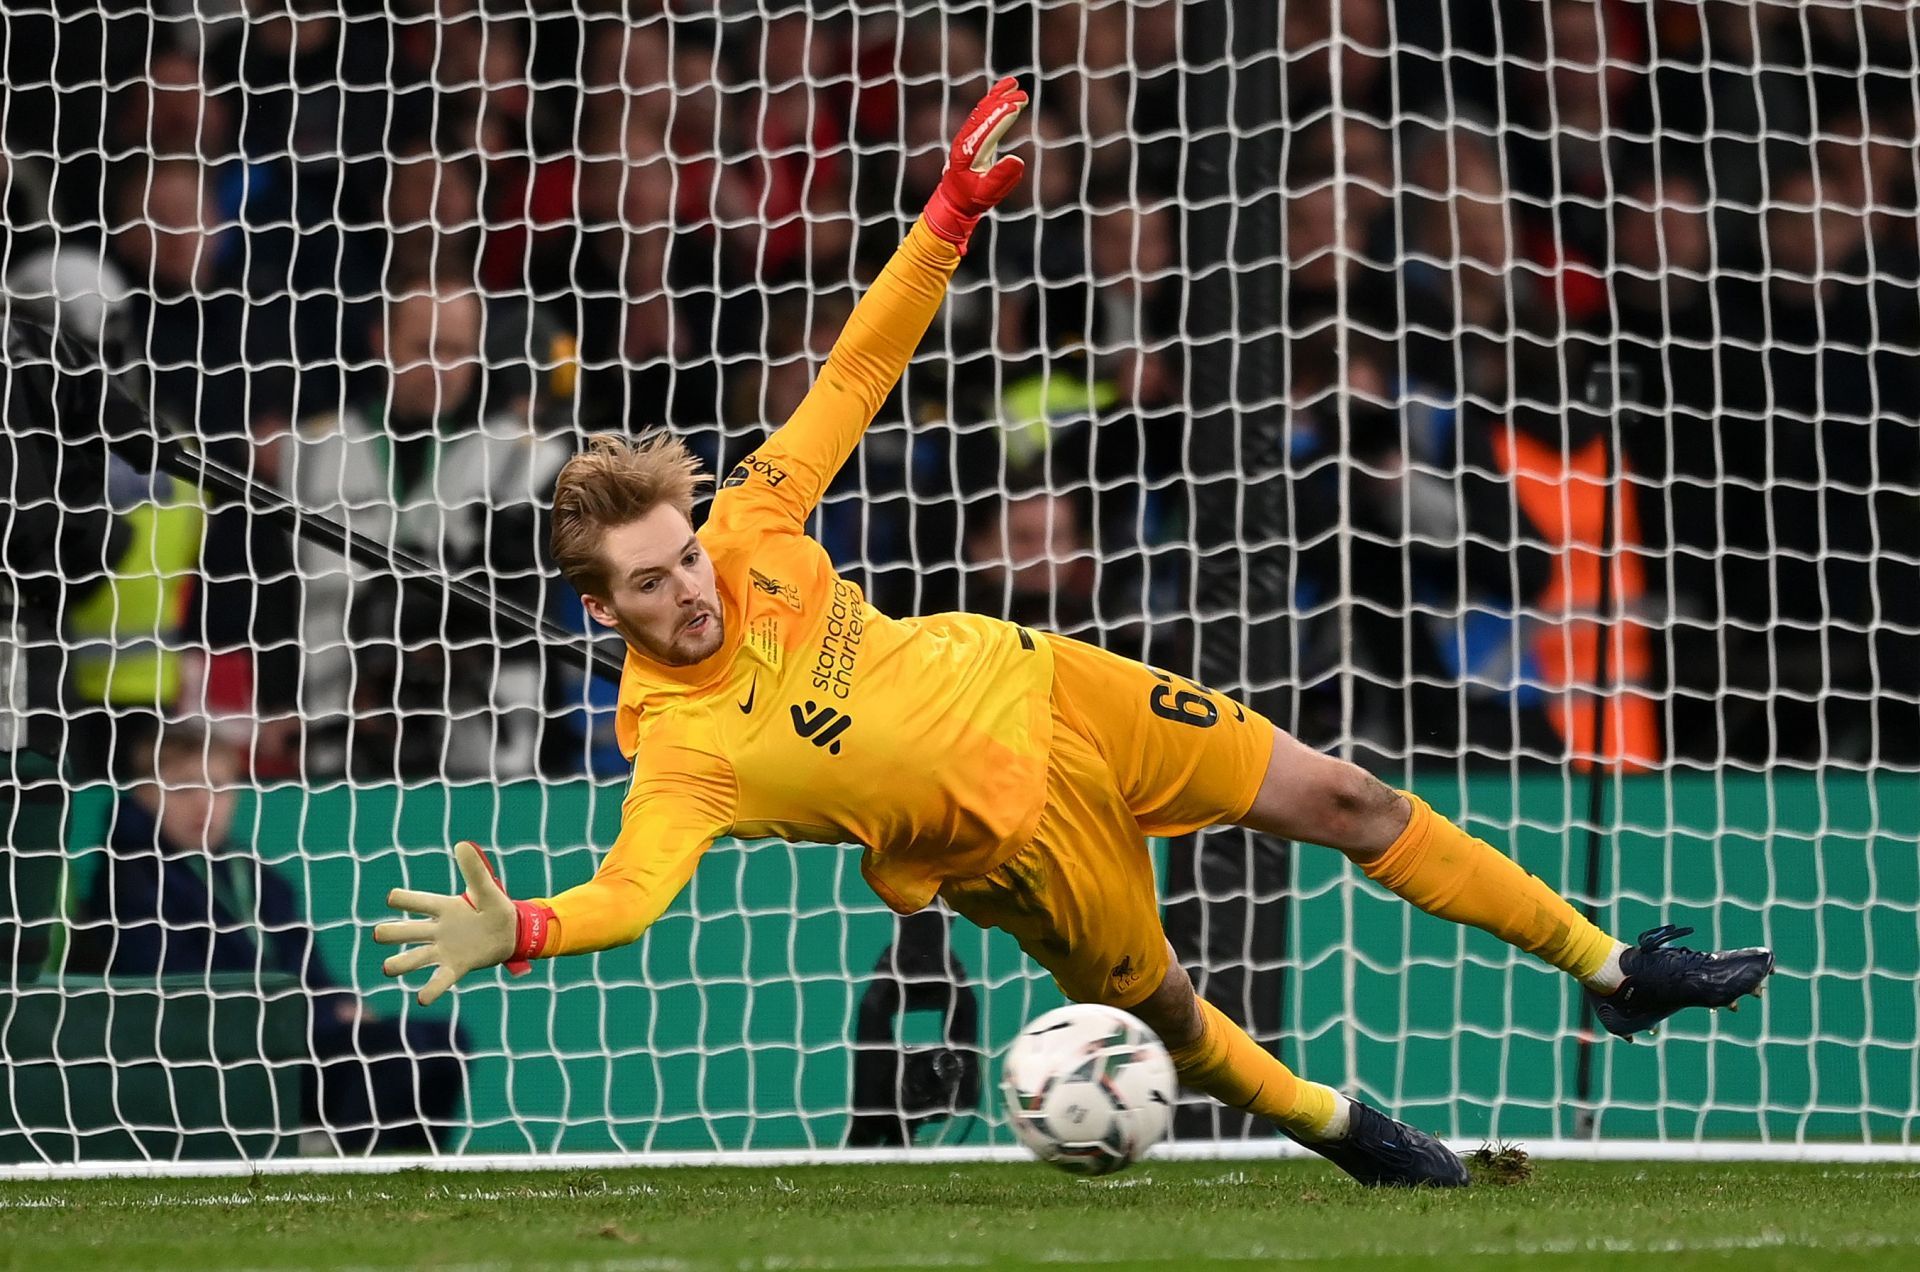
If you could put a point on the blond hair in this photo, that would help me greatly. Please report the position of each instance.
(612, 483)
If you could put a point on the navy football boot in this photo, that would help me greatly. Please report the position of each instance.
(1662, 978)
(1383, 1153)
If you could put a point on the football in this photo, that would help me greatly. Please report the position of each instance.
(1088, 1088)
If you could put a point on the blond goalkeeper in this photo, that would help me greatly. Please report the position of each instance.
(1013, 774)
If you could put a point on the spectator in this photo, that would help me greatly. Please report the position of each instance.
(394, 685)
(1868, 163)
(167, 236)
(715, 197)
(1029, 560)
(169, 114)
(178, 896)
(319, 98)
(899, 66)
(1817, 432)
(1040, 235)
(1663, 258)
(129, 644)
(432, 213)
(63, 427)
(1085, 381)
(865, 521)
(1306, 40)
(1327, 244)
(1366, 157)
(1107, 70)
(795, 155)
(527, 174)
(1664, 289)
(1581, 101)
(800, 334)
(1479, 311)
(217, 369)
(1440, 560)
(627, 73)
(57, 107)
(1732, 93)
(1135, 264)
(646, 295)
(963, 385)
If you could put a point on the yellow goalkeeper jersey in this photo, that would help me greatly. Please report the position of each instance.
(923, 740)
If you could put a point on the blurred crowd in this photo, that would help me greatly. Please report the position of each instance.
(395, 258)
(1703, 211)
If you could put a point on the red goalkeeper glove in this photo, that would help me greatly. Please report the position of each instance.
(973, 181)
(481, 927)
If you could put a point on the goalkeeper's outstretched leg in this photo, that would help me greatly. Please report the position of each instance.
(1424, 858)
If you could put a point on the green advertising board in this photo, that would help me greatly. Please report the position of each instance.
(727, 1025)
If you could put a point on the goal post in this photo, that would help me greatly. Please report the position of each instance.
(1273, 372)
(1226, 911)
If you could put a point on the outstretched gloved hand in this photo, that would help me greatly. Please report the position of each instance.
(479, 928)
(974, 180)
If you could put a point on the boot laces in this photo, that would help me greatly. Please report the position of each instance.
(1677, 959)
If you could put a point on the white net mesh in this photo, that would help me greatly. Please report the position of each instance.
(1436, 375)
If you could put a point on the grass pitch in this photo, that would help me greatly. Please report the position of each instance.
(1160, 1216)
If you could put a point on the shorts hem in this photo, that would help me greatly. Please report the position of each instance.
(1130, 1000)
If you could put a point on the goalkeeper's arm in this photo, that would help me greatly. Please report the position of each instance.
(785, 478)
(484, 927)
(670, 818)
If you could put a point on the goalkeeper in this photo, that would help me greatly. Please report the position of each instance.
(1010, 773)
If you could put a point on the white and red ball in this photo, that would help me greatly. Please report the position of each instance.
(1088, 1088)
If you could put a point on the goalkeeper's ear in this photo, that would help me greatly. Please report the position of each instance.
(599, 611)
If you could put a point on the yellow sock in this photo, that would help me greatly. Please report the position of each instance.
(1447, 872)
(1236, 1070)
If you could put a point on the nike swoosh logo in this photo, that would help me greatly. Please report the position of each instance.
(746, 708)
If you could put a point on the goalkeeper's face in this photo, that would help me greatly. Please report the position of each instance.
(660, 591)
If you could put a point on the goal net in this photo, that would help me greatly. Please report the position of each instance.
(1520, 399)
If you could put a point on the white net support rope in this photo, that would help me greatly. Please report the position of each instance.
(1554, 367)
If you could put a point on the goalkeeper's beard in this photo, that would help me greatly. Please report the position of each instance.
(689, 643)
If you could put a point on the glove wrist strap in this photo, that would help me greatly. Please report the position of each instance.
(944, 217)
(534, 924)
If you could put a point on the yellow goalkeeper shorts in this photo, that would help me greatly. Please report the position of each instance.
(1136, 752)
